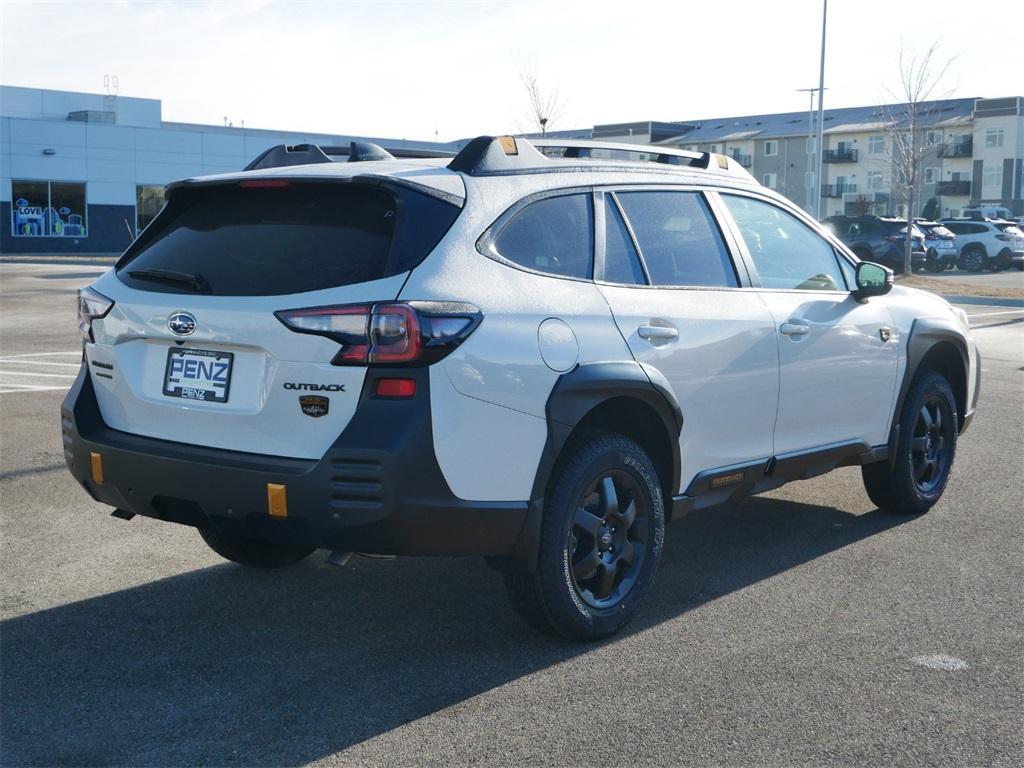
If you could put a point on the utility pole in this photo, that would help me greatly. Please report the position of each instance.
(821, 112)
(812, 150)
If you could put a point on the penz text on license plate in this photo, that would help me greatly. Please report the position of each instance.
(198, 374)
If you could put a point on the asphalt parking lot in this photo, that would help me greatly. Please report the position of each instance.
(798, 628)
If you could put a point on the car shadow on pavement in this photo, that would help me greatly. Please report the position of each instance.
(230, 666)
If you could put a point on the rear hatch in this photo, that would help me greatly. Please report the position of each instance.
(192, 350)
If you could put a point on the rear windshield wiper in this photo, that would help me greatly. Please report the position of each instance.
(196, 282)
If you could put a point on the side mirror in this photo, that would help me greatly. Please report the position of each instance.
(872, 280)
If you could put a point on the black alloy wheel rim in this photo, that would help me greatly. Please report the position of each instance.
(608, 539)
(974, 259)
(930, 443)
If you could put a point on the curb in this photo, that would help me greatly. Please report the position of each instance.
(988, 301)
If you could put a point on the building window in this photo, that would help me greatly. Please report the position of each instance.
(994, 137)
(769, 180)
(148, 202)
(992, 176)
(48, 209)
(715, 149)
(876, 145)
(771, 148)
(874, 180)
(931, 138)
(954, 213)
(932, 175)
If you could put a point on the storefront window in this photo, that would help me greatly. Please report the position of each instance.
(148, 202)
(48, 209)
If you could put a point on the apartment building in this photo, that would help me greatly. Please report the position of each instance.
(973, 153)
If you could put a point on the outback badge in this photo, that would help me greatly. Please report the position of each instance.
(314, 405)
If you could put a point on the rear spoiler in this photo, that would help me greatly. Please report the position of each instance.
(358, 151)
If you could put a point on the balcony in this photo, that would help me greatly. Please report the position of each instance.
(841, 155)
(837, 190)
(957, 149)
(961, 188)
(745, 160)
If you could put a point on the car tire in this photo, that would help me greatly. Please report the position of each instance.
(253, 552)
(973, 258)
(913, 480)
(1001, 262)
(601, 540)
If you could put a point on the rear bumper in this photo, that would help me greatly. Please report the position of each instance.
(377, 489)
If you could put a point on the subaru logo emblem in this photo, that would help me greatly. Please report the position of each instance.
(182, 324)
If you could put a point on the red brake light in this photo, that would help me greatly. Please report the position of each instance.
(395, 387)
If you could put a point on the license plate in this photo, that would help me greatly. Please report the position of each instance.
(198, 374)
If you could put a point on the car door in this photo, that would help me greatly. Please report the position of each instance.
(676, 295)
(838, 356)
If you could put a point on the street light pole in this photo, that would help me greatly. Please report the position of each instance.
(821, 113)
(811, 152)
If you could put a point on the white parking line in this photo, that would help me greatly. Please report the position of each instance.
(11, 361)
(994, 314)
(43, 373)
(7, 388)
(36, 373)
(40, 354)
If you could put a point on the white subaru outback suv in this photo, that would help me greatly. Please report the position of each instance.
(535, 352)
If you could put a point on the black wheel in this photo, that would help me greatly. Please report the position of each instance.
(1000, 263)
(253, 552)
(924, 451)
(973, 259)
(600, 544)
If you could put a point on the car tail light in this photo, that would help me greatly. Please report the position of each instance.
(931, 236)
(895, 238)
(1003, 237)
(92, 305)
(388, 333)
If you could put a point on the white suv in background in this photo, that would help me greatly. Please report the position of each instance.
(987, 244)
(535, 352)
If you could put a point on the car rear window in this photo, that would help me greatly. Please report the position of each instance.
(241, 241)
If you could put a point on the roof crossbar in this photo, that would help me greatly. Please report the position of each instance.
(488, 155)
(358, 151)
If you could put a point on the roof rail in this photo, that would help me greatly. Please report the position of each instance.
(358, 151)
(486, 155)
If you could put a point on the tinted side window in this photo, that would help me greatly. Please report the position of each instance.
(554, 234)
(621, 262)
(679, 241)
(786, 252)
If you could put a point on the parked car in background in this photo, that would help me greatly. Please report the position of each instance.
(939, 245)
(1015, 229)
(986, 211)
(880, 239)
(984, 244)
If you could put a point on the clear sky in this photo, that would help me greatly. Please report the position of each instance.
(416, 69)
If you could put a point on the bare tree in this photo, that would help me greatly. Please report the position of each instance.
(546, 106)
(920, 77)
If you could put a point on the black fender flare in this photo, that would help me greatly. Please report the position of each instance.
(925, 333)
(575, 395)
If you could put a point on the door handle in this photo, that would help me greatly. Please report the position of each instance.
(795, 328)
(658, 332)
